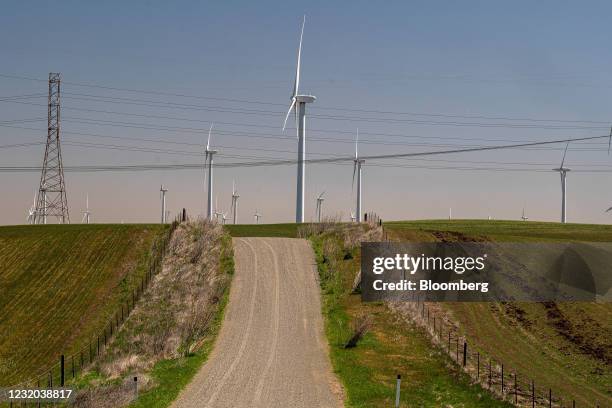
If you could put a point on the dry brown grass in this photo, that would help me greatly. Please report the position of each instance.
(173, 314)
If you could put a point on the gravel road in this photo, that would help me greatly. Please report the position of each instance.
(271, 350)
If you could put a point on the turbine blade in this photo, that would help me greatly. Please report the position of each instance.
(208, 142)
(354, 171)
(296, 84)
(564, 153)
(357, 144)
(289, 112)
(608, 210)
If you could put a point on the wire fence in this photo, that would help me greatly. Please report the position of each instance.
(500, 379)
(68, 367)
(492, 374)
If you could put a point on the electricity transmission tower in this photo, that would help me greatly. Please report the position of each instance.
(52, 200)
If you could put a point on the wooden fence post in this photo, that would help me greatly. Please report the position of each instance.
(502, 379)
(478, 364)
(532, 394)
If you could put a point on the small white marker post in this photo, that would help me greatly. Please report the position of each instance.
(397, 391)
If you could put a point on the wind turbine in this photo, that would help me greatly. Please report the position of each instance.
(298, 105)
(208, 158)
(563, 173)
(86, 213)
(353, 218)
(257, 215)
(523, 216)
(320, 200)
(162, 192)
(217, 213)
(32, 211)
(235, 197)
(357, 162)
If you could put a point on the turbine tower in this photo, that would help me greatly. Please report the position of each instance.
(162, 192)
(320, 200)
(257, 215)
(52, 199)
(86, 213)
(209, 158)
(298, 105)
(32, 210)
(357, 162)
(563, 173)
(235, 197)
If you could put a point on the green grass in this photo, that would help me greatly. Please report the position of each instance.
(170, 376)
(507, 230)
(263, 230)
(391, 347)
(566, 347)
(60, 284)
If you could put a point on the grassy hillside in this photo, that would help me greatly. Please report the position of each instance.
(59, 284)
(564, 346)
(390, 347)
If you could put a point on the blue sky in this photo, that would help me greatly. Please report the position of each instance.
(548, 61)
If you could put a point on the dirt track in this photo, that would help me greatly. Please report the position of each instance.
(271, 351)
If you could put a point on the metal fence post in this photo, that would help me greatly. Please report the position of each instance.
(135, 387)
(464, 353)
(532, 394)
(397, 391)
(62, 370)
(502, 378)
(550, 398)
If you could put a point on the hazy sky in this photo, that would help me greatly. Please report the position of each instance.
(454, 74)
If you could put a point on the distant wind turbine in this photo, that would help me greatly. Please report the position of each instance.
(208, 158)
(357, 162)
(86, 213)
(353, 218)
(162, 192)
(523, 216)
(235, 197)
(298, 106)
(563, 173)
(257, 216)
(320, 200)
(32, 211)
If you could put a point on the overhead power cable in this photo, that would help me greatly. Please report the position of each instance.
(286, 162)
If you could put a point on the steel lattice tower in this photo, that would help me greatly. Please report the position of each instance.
(52, 201)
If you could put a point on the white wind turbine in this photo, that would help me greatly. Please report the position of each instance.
(86, 213)
(235, 197)
(320, 200)
(563, 173)
(32, 211)
(523, 216)
(298, 105)
(217, 213)
(353, 218)
(357, 162)
(162, 193)
(208, 158)
(257, 216)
